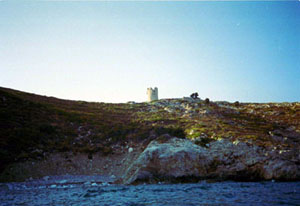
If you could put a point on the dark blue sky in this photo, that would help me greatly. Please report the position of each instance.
(113, 51)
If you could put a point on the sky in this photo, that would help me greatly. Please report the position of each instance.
(113, 51)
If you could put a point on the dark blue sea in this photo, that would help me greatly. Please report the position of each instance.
(96, 190)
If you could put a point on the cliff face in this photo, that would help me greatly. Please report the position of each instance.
(33, 128)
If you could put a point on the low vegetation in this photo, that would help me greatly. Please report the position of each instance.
(33, 126)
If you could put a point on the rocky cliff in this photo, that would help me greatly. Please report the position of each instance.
(177, 160)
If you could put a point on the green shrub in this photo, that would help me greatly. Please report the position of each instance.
(47, 128)
(173, 131)
(206, 101)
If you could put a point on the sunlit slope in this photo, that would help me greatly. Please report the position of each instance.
(33, 126)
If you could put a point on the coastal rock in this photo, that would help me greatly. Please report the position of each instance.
(170, 159)
(174, 158)
(280, 169)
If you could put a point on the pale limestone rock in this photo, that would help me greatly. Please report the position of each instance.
(180, 158)
(174, 158)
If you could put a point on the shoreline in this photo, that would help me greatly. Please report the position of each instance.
(135, 168)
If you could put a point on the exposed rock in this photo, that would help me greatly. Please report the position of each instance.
(174, 158)
(180, 158)
(189, 99)
(169, 109)
(280, 169)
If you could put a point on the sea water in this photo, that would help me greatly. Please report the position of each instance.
(97, 190)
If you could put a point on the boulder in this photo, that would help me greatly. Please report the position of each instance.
(174, 158)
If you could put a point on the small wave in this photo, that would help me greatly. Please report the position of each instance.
(57, 191)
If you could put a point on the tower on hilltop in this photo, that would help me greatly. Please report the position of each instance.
(152, 94)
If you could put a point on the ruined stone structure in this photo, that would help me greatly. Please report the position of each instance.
(152, 94)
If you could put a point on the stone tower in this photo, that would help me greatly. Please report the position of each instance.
(152, 94)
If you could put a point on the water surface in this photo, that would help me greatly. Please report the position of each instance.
(96, 190)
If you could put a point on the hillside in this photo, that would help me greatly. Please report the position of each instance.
(32, 127)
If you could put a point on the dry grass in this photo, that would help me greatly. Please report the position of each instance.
(31, 126)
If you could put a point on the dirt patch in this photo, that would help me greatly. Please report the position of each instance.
(71, 164)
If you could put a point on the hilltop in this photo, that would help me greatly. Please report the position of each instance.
(35, 130)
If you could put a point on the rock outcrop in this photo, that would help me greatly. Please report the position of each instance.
(171, 159)
(180, 159)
